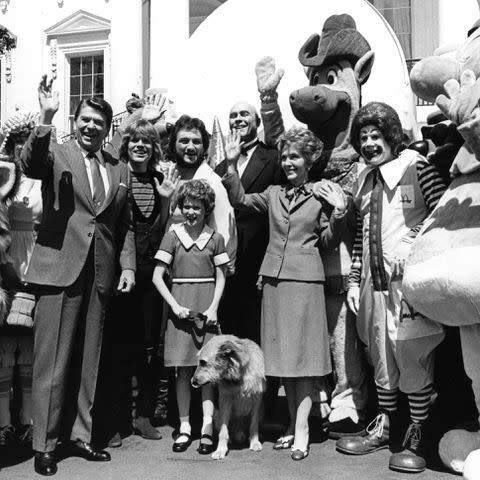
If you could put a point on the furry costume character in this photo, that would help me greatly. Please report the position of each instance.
(337, 64)
(442, 274)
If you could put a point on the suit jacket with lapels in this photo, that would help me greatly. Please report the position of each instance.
(70, 222)
(263, 169)
(297, 232)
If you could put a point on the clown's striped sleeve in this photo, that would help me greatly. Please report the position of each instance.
(431, 184)
(432, 187)
(357, 252)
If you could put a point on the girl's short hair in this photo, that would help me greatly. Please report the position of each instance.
(309, 145)
(381, 116)
(146, 131)
(197, 190)
(185, 122)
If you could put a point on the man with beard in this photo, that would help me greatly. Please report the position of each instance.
(258, 168)
(188, 145)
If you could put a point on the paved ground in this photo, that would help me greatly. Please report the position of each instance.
(152, 460)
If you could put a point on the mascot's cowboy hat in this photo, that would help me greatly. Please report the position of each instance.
(340, 39)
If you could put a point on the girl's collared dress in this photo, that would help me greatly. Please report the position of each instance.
(192, 264)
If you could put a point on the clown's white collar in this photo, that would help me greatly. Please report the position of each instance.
(187, 241)
(392, 172)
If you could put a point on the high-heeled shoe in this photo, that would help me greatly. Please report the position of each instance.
(284, 443)
(298, 454)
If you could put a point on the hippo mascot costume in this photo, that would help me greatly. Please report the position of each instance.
(442, 273)
(337, 63)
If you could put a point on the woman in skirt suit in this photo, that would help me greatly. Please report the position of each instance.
(304, 218)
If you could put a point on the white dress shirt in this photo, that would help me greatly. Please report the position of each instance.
(244, 158)
(103, 169)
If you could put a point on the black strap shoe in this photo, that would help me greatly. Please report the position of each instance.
(206, 448)
(45, 463)
(86, 451)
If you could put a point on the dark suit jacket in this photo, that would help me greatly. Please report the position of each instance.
(262, 170)
(69, 221)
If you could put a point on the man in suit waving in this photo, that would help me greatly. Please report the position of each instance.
(86, 230)
(258, 168)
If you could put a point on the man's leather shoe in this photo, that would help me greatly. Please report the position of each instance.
(86, 451)
(411, 458)
(378, 437)
(45, 463)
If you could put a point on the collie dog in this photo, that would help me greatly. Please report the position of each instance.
(237, 366)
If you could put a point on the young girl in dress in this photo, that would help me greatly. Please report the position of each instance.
(196, 257)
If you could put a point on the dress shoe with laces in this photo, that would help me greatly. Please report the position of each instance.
(377, 437)
(45, 463)
(86, 451)
(411, 458)
(7, 436)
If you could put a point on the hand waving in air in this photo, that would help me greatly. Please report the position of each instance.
(171, 179)
(48, 100)
(154, 108)
(233, 148)
(268, 77)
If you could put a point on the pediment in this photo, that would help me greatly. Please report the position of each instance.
(79, 22)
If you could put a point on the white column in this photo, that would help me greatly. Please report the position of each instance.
(169, 32)
(455, 18)
(125, 52)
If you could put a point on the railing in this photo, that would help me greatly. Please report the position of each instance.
(420, 102)
(116, 121)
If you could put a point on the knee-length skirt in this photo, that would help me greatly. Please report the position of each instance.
(294, 333)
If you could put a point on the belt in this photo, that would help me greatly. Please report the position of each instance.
(193, 280)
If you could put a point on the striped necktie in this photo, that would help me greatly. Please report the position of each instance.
(97, 181)
(377, 265)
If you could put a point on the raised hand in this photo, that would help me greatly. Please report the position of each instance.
(48, 100)
(154, 107)
(332, 193)
(233, 148)
(171, 179)
(461, 99)
(268, 77)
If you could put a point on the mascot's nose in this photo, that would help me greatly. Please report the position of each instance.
(194, 383)
(316, 104)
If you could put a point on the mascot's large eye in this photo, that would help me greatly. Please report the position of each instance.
(332, 77)
(316, 79)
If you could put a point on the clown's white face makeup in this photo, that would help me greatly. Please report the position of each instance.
(373, 146)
